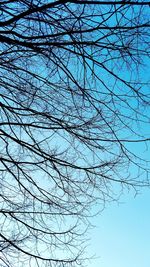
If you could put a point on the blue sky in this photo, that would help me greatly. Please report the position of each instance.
(121, 237)
(122, 234)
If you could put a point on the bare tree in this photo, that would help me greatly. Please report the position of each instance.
(73, 99)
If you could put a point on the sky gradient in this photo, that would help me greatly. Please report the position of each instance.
(122, 234)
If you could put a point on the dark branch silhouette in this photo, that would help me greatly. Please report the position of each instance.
(74, 101)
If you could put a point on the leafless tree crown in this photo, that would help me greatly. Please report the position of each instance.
(74, 104)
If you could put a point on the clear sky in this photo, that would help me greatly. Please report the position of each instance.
(122, 234)
(121, 237)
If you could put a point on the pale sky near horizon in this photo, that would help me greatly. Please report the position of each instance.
(121, 237)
